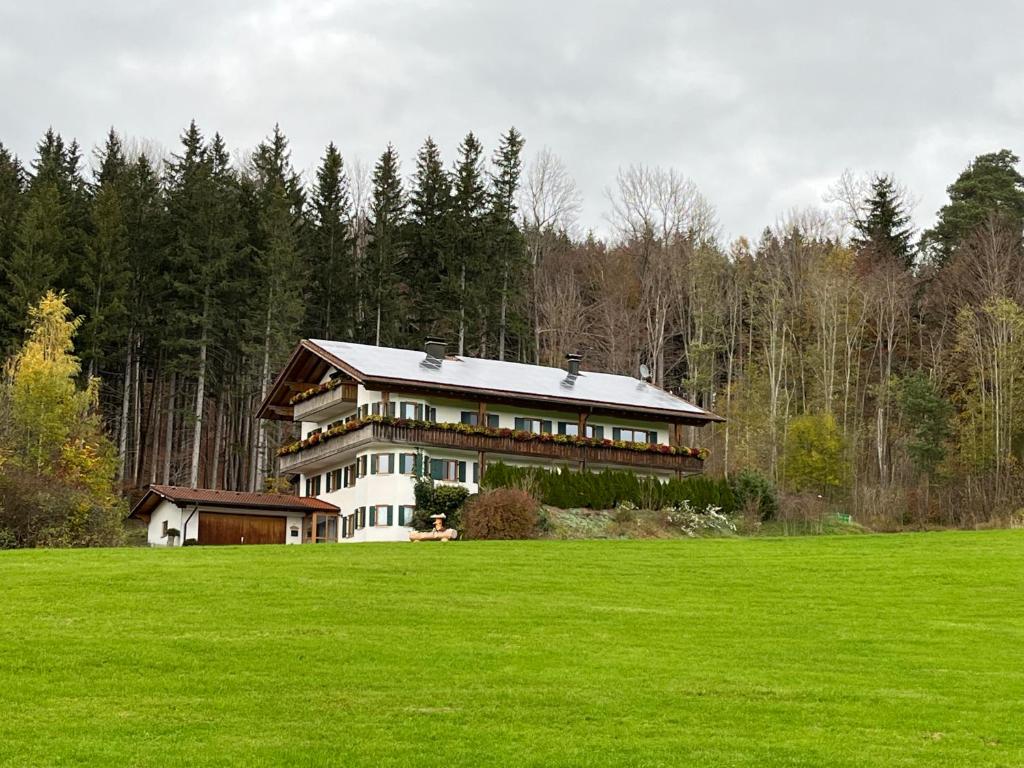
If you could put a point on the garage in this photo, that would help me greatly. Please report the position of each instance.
(176, 516)
(216, 528)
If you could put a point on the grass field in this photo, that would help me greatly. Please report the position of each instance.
(903, 650)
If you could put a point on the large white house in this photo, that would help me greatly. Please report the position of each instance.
(374, 419)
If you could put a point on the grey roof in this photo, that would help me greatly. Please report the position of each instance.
(510, 378)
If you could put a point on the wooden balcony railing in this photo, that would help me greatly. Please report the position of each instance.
(498, 445)
(319, 406)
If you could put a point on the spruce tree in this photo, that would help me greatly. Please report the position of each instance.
(429, 242)
(506, 240)
(884, 233)
(385, 253)
(103, 277)
(12, 191)
(330, 310)
(51, 230)
(278, 239)
(465, 292)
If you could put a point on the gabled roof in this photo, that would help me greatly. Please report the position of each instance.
(208, 497)
(404, 370)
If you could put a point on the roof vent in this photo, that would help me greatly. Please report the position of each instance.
(572, 366)
(435, 349)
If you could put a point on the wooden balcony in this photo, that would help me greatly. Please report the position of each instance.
(323, 454)
(324, 406)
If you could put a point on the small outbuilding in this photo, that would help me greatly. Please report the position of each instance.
(176, 515)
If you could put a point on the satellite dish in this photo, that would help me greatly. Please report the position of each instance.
(645, 372)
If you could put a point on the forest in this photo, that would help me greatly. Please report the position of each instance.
(861, 364)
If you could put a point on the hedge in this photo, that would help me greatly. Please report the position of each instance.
(607, 489)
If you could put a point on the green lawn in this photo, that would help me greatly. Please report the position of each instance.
(830, 651)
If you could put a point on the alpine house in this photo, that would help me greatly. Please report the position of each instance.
(374, 419)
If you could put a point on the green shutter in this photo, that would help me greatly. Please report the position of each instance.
(437, 469)
(417, 465)
(476, 472)
(520, 424)
(492, 420)
(616, 433)
(373, 516)
(545, 427)
(391, 515)
(374, 462)
(462, 471)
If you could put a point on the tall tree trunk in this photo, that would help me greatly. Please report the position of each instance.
(122, 438)
(169, 436)
(197, 434)
(218, 434)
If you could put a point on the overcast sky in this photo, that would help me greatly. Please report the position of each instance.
(762, 104)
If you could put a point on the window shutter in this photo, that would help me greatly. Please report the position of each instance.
(391, 409)
(616, 433)
(462, 471)
(520, 423)
(391, 514)
(476, 472)
(419, 412)
(374, 464)
(437, 469)
(492, 420)
(431, 413)
(417, 465)
(599, 433)
(561, 427)
(373, 516)
(545, 427)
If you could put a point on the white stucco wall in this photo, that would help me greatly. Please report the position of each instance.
(165, 511)
(397, 490)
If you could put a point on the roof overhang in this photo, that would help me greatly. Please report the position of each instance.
(153, 497)
(309, 362)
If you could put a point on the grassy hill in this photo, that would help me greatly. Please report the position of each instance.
(832, 651)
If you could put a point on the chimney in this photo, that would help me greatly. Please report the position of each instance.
(572, 364)
(435, 349)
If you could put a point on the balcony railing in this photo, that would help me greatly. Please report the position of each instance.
(309, 457)
(322, 406)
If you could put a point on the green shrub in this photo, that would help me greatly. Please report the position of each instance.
(753, 490)
(506, 513)
(610, 488)
(433, 499)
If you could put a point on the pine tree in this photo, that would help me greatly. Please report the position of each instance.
(990, 186)
(429, 241)
(330, 312)
(885, 232)
(507, 242)
(385, 252)
(464, 293)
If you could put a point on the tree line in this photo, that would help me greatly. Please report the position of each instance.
(856, 359)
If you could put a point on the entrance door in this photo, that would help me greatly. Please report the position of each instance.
(216, 528)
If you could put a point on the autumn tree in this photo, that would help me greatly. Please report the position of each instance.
(56, 465)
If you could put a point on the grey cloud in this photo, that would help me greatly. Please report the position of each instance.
(762, 104)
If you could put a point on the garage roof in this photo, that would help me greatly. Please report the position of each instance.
(209, 497)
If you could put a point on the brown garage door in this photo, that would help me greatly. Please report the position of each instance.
(240, 529)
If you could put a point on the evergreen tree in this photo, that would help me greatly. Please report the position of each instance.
(464, 292)
(506, 240)
(12, 190)
(990, 185)
(330, 312)
(884, 232)
(385, 253)
(429, 242)
(103, 277)
(278, 240)
(51, 229)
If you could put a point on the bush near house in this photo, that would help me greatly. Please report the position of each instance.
(505, 513)
(434, 499)
(608, 489)
(755, 494)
